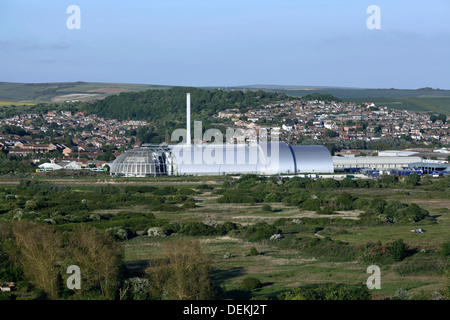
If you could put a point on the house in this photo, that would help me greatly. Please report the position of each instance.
(49, 167)
(7, 287)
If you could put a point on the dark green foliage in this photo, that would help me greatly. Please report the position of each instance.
(10, 129)
(229, 226)
(167, 104)
(172, 228)
(164, 191)
(167, 207)
(398, 250)
(36, 186)
(344, 201)
(260, 231)
(250, 283)
(4, 296)
(204, 187)
(326, 209)
(329, 292)
(253, 251)
(413, 180)
(189, 204)
(350, 183)
(140, 189)
(388, 180)
(201, 229)
(445, 249)
(311, 204)
(236, 197)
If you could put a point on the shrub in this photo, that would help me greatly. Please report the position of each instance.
(311, 205)
(344, 201)
(164, 191)
(190, 204)
(328, 292)
(398, 250)
(267, 208)
(204, 187)
(250, 283)
(325, 210)
(261, 231)
(445, 249)
(253, 251)
(411, 213)
(197, 229)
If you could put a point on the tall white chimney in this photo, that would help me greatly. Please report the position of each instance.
(188, 118)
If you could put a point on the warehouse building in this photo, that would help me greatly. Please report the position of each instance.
(272, 158)
(378, 163)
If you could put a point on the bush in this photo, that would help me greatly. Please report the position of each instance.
(311, 205)
(204, 187)
(398, 250)
(266, 208)
(328, 292)
(445, 249)
(261, 231)
(250, 283)
(164, 191)
(198, 229)
(190, 204)
(253, 251)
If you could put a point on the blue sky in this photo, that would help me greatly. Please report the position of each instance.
(226, 43)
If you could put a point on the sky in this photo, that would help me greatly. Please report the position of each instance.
(228, 42)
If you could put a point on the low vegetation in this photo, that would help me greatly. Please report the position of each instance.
(223, 238)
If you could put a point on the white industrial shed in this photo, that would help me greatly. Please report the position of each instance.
(263, 158)
(373, 162)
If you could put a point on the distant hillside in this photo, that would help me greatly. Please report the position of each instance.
(65, 91)
(423, 99)
(344, 93)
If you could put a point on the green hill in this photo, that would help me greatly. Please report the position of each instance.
(423, 99)
(64, 91)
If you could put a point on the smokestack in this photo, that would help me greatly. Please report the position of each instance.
(188, 119)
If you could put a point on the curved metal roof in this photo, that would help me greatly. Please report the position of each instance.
(263, 158)
(312, 159)
(141, 162)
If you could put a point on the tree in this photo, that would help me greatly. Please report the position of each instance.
(183, 274)
(442, 117)
(40, 252)
(330, 133)
(413, 179)
(99, 257)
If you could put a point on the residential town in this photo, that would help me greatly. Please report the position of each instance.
(344, 121)
(81, 140)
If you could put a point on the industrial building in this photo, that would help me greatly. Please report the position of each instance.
(271, 158)
(265, 158)
(378, 163)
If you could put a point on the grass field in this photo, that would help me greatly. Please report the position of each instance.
(21, 103)
(428, 104)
